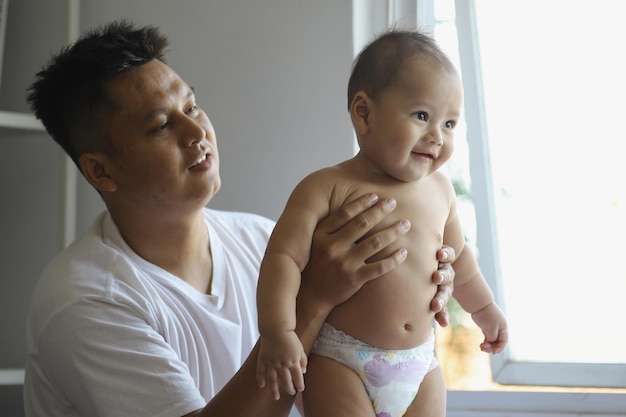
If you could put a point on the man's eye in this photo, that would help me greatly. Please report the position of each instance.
(193, 109)
(421, 115)
(158, 129)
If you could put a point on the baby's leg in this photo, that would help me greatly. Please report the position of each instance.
(431, 397)
(333, 389)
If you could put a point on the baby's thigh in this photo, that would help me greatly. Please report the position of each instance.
(431, 397)
(333, 389)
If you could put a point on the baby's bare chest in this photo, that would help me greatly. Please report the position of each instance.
(425, 204)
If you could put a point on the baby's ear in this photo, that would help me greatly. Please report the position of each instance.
(95, 169)
(360, 109)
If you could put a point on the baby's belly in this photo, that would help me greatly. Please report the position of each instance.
(390, 312)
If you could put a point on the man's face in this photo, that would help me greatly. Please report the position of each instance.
(164, 152)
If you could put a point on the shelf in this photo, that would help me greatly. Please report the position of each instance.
(20, 121)
(11, 377)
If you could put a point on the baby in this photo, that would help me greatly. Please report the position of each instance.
(376, 351)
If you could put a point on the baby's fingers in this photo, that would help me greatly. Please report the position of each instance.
(496, 344)
(297, 375)
(260, 374)
(274, 383)
(288, 381)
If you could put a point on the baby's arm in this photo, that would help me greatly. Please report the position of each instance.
(471, 289)
(282, 360)
(475, 296)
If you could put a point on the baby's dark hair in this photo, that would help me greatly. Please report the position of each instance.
(378, 64)
(69, 95)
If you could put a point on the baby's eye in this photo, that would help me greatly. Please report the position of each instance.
(421, 115)
(450, 124)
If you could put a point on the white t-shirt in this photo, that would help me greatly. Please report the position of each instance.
(110, 334)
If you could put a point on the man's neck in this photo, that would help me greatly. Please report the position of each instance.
(179, 244)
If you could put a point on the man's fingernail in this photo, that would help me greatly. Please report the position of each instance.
(372, 199)
(445, 254)
(390, 202)
(406, 225)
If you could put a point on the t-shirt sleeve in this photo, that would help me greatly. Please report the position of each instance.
(109, 361)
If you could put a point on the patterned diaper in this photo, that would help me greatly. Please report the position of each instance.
(391, 377)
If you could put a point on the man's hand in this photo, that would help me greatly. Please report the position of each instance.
(337, 267)
(444, 278)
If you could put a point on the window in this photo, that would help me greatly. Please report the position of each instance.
(548, 183)
(542, 162)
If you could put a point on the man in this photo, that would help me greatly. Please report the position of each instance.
(152, 311)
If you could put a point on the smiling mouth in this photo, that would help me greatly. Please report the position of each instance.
(200, 160)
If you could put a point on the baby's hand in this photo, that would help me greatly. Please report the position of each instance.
(282, 363)
(493, 324)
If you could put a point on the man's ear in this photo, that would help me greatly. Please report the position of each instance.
(360, 111)
(95, 169)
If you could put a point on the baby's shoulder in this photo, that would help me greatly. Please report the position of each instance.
(328, 177)
(441, 182)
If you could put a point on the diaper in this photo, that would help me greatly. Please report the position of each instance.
(391, 377)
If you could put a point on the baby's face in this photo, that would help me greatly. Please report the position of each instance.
(412, 123)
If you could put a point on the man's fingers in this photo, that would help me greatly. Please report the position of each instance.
(445, 274)
(338, 219)
(437, 305)
(371, 245)
(375, 269)
(442, 317)
(446, 254)
(445, 286)
(353, 221)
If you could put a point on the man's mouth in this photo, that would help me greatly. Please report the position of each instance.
(201, 159)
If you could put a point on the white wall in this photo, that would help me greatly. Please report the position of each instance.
(271, 75)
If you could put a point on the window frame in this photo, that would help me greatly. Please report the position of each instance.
(534, 404)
